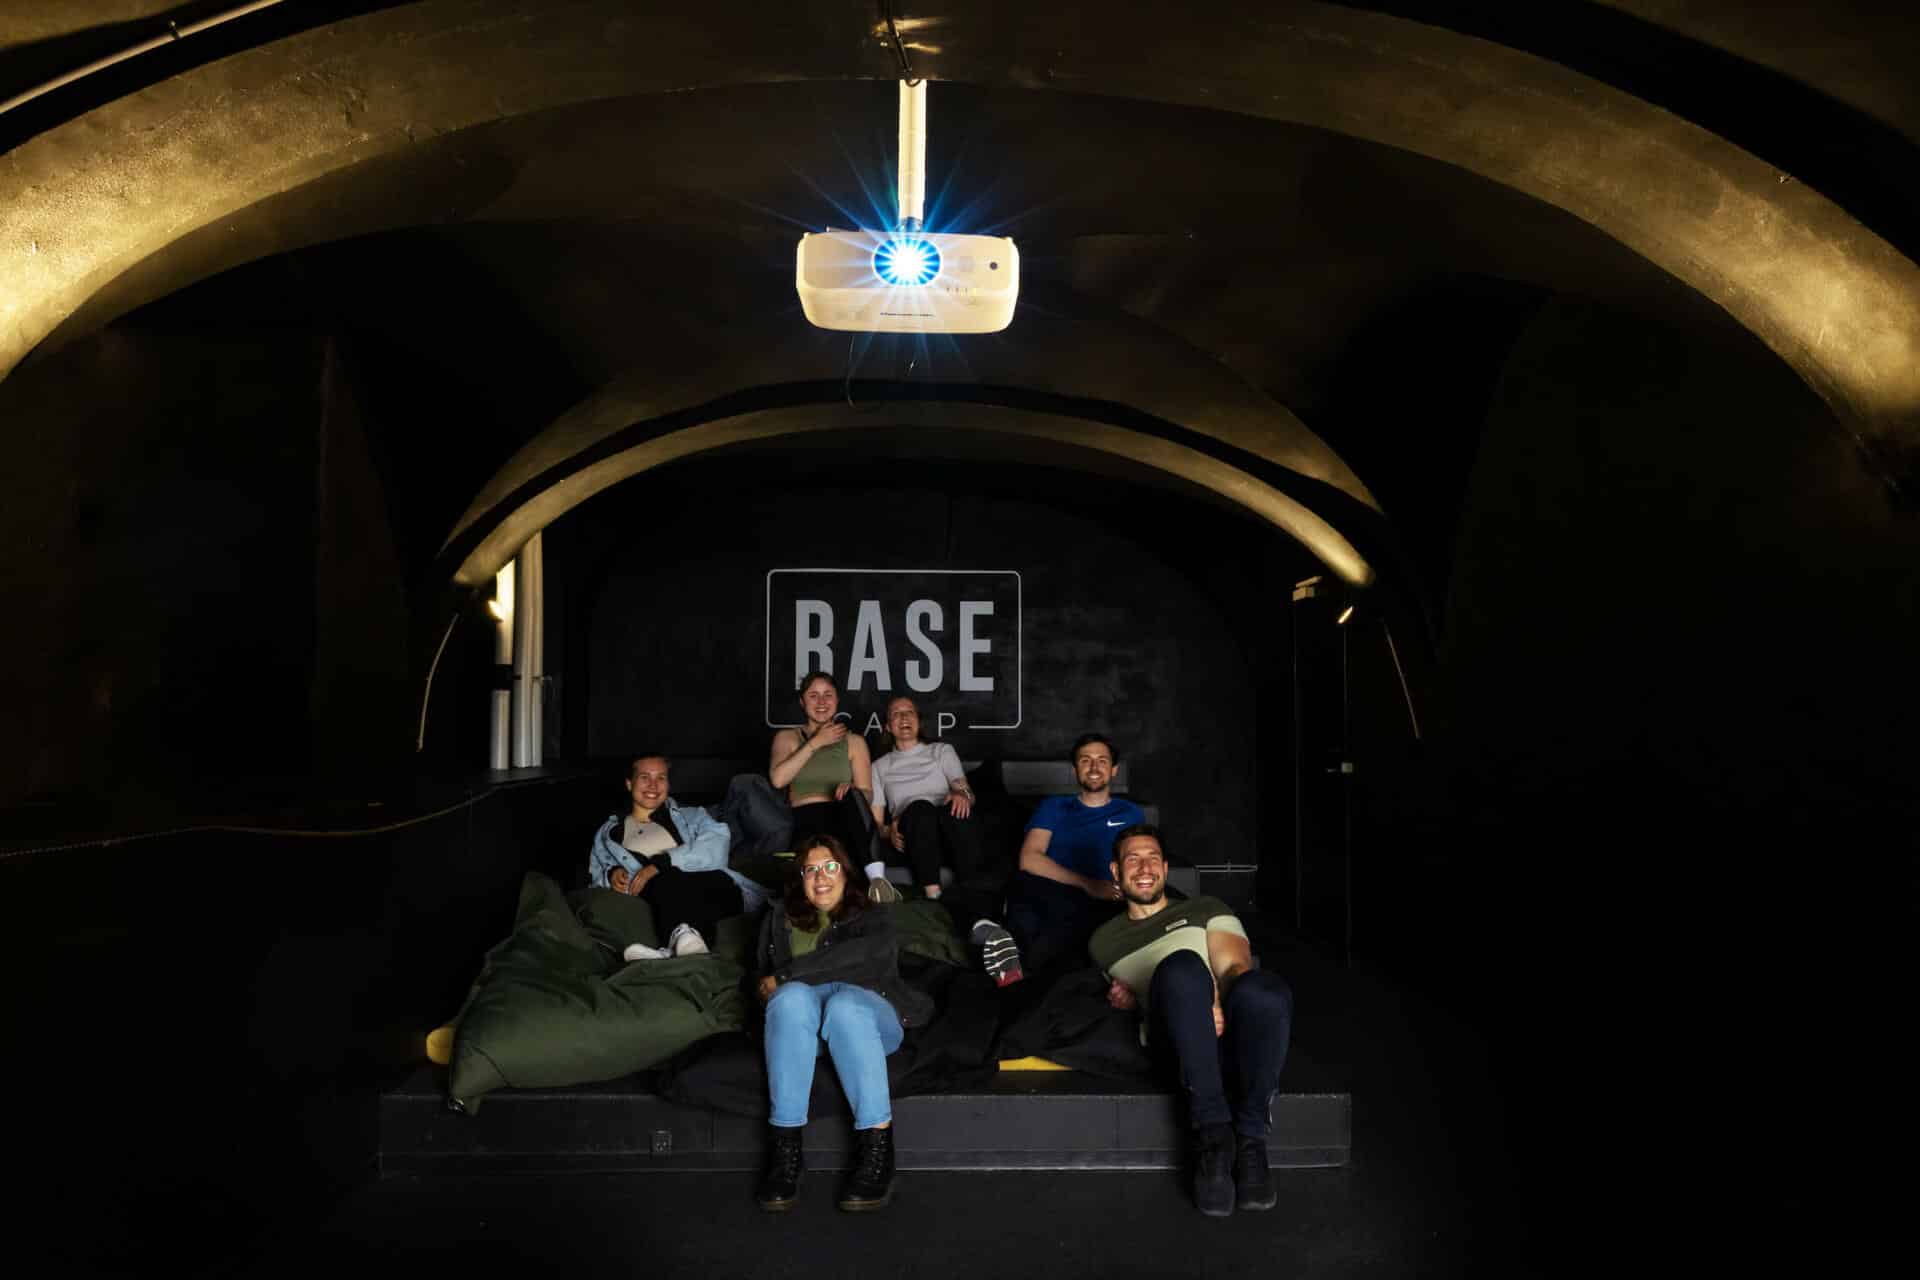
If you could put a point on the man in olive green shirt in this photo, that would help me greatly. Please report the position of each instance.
(1208, 1014)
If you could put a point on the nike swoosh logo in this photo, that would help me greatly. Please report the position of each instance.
(1112, 823)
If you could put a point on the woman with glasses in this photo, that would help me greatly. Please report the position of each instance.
(829, 976)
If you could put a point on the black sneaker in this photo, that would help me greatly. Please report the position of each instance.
(1252, 1183)
(1213, 1170)
(999, 953)
(780, 1184)
(870, 1185)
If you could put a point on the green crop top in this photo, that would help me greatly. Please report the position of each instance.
(824, 770)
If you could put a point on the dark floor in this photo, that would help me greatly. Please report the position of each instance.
(1430, 1192)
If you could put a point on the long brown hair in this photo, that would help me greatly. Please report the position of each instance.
(801, 913)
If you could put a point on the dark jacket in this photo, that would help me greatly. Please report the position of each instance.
(861, 951)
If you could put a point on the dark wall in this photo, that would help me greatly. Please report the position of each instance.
(164, 527)
(200, 1022)
(209, 588)
(1666, 798)
(1145, 615)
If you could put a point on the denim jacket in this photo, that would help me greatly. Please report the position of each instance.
(705, 850)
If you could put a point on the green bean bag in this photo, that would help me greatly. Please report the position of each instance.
(556, 1005)
(924, 928)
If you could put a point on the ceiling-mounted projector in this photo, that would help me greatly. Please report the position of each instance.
(908, 280)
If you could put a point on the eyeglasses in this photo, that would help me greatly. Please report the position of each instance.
(827, 868)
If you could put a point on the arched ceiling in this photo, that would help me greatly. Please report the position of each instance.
(713, 128)
(513, 522)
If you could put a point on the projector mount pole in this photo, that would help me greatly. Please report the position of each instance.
(913, 153)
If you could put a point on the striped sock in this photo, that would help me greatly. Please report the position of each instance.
(999, 953)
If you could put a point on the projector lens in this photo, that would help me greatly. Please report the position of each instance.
(906, 262)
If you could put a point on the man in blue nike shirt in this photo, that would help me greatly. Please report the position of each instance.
(1064, 889)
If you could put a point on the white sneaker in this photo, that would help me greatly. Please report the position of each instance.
(640, 951)
(685, 940)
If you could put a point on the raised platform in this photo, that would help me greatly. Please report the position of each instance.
(1026, 1120)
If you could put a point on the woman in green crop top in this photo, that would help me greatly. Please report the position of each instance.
(825, 769)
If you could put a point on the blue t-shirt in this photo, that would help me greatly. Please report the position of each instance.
(1082, 838)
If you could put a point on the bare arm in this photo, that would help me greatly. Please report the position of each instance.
(1229, 956)
(862, 761)
(959, 795)
(1034, 861)
(790, 753)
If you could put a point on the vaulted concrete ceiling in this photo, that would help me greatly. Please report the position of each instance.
(1112, 137)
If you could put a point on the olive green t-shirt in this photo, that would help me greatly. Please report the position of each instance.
(1131, 950)
(802, 941)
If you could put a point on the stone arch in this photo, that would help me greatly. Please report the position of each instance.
(87, 201)
(1103, 381)
(490, 539)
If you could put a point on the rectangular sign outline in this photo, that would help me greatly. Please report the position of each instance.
(1019, 625)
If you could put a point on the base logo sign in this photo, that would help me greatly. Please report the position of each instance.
(947, 638)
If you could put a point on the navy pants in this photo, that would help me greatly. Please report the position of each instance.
(1053, 922)
(1229, 1079)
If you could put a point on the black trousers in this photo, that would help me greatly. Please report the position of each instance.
(847, 820)
(935, 838)
(698, 898)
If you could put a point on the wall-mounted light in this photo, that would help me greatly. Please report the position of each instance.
(501, 606)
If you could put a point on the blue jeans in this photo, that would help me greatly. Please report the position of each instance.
(860, 1029)
(1232, 1078)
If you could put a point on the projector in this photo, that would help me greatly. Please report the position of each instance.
(907, 281)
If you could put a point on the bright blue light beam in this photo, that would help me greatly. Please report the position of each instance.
(906, 263)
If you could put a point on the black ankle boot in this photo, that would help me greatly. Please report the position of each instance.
(1252, 1183)
(780, 1184)
(1213, 1170)
(870, 1185)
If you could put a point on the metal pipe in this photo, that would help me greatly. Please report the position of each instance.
(174, 33)
(913, 153)
(526, 643)
(537, 659)
(500, 715)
